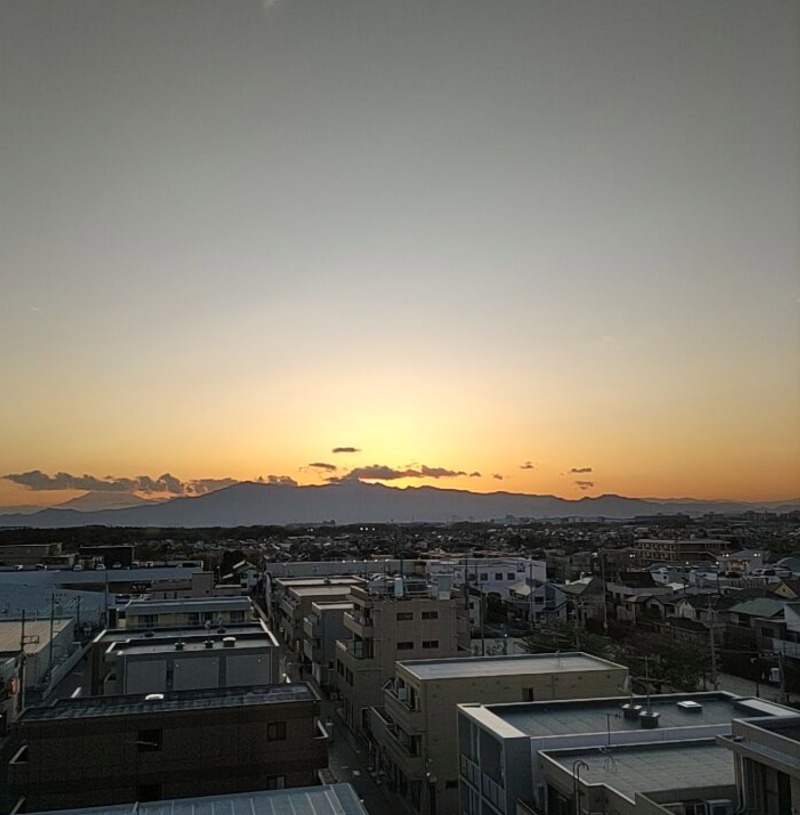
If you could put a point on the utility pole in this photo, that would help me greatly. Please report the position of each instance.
(602, 556)
(50, 644)
(712, 622)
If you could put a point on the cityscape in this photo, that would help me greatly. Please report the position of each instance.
(401, 407)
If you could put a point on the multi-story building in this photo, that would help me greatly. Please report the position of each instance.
(767, 763)
(686, 550)
(118, 749)
(295, 604)
(415, 729)
(500, 745)
(323, 627)
(32, 554)
(156, 661)
(394, 618)
(209, 612)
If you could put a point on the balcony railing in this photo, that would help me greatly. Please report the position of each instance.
(356, 649)
(492, 791)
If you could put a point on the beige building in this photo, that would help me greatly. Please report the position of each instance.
(416, 729)
(190, 612)
(394, 619)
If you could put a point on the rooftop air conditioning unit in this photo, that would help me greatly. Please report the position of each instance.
(228, 642)
(209, 643)
(179, 646)
(648, 720)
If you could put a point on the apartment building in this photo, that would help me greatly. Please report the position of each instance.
(767, 764)
(323, 627)
(120, 749)
(687, 550)
(392, 619)
(209, 612)
(415, 729)
(500, 745)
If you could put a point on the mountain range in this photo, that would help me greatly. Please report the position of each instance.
(251, 504)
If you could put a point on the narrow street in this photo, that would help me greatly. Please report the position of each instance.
(348, 757)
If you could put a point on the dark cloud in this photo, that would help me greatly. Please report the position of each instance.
(323, 465)
(527, 466)
(584, 485)
(578, 470)
(497, 476)
(166, 483)
(283, 480)
(345, 450)
(382, 472)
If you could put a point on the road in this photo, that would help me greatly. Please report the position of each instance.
(348, 757)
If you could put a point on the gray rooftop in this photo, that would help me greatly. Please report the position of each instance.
(339, 590)
(188, 604)
(255, 629)
(196, 643)
(333, 799)
(37, 634)
(652, 768)
(513, 665)
(211, 699)
(542, 719)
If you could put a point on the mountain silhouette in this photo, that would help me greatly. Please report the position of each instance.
(251, 504)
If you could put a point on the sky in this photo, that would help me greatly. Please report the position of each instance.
(542, 246)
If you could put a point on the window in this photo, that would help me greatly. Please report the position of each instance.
(276, 782)
(430, 643)
(405, 646)
(430, 615)
(276, 731)
(403, 616)
(148, 741)
(511, 576)
(498, 575)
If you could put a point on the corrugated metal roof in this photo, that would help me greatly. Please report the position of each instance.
(335, 799)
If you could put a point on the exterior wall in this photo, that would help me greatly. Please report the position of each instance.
(323, 627)
(680, 551)
(213, 612)
(425, 711)
(386, 628)
(98, 761)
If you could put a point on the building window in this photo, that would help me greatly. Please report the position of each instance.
(511, 576)
(403, 616)
(148, 741)
(405, 646)
(430, 615)
(276, 731)
(276, 782)
(430, 643)
(498, 575)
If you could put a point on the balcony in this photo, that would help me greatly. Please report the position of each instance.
(470, 771)
(359, 624)
(355, 649)
(493, 792)
(403, 749)
(397, 702)
(311, 626)
(788, 649)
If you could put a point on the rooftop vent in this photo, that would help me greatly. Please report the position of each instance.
(209, 643)
(154, 697)
(690, 707)
(221, 629)
(631, 711)
(648, 720)
(179, 646)
(228, 642)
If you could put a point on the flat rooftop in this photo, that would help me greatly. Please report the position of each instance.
(212, 699)
(188, 604)
(37, 634)
(579, 716)
(513, 665)
(339, 590)
(330, 799)
(651, 768)
(324, 606)
(196, 643)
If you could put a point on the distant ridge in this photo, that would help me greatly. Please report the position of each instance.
(251, 504)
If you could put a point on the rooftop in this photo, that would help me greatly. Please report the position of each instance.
(333, 799)
(477, 667)
(102, 706)
(194, 643)
(37, 634)
(338, 590)
(255, 629)
(651, 768)
(580, 716)
(188, 604)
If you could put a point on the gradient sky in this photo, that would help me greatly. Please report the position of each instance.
(465, 235)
